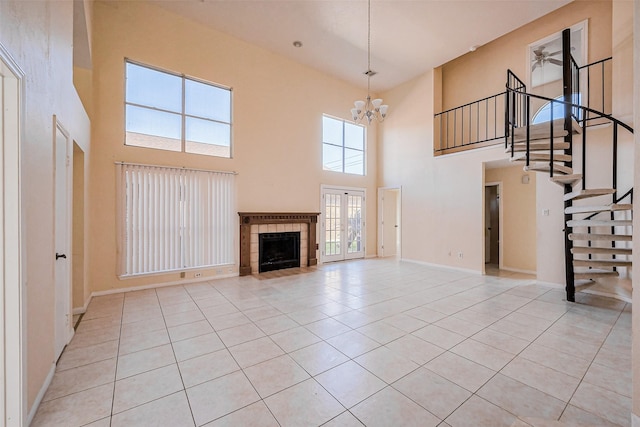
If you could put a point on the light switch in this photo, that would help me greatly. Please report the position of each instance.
(545, 212)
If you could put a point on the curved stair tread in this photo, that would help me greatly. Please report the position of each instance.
(563, 180)
(591, 192)
(537, 156)
(601, 208)
(596, 236)
(600, 223)
(595, 274)
(597, 250)
(544, 167)
(537, 146)
(601, 263)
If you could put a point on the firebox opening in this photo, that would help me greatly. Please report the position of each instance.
(278, 251)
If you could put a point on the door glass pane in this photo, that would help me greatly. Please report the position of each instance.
(354, 223)
(332, 224)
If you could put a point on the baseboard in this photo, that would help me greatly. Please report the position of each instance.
(40, 396)
(161, 285)
(635, 420)
(517, 270)
(83, 309)
(371, 256)
(441, 266)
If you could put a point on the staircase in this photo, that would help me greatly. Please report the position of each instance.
(597, 221)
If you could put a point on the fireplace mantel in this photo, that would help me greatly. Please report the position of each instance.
(247, 219)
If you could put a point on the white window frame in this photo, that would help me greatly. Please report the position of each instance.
(343, 147)
(183, 115)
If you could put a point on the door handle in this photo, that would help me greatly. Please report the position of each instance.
(60, 256)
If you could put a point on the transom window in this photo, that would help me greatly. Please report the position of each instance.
(173, 112)
(342, 146)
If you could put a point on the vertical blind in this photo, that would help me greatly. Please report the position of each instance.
(172, 218)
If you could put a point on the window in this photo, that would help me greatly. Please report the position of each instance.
(172, 112)
(543, 115)
(342, 146)
(173, 219)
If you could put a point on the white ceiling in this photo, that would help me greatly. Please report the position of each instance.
(408, 37)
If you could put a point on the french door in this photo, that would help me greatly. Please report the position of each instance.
(343, 224)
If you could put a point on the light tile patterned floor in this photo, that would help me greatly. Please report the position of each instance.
(373, 342)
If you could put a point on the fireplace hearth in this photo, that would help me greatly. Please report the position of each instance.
(278, 250)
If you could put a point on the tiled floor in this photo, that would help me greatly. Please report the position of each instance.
(372, 342)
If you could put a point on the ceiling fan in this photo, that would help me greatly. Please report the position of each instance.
(543, 57)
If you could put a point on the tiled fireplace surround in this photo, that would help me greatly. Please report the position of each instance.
(254, 223)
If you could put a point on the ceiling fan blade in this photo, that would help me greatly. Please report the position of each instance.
(538, 51)
(554, 61)
(534, 66)
(555, 53)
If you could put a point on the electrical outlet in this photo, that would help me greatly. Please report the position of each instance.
(182, 275)
(197, 275)
(449, 252)
(460, 255)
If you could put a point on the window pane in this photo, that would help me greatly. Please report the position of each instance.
(354, 136)
(207, 137)
(354, 161)
(332, 158)
(331, 131)
(207, 101)
(153, 129)
(153, 88)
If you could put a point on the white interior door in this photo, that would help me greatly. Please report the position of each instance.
(390, 224)
(62, 273)
(343, 224)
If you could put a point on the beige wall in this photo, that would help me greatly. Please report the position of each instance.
(519, 216)
(491, 61)
(277, 131)
(39, 36)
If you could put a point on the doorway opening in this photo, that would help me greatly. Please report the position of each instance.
(509, 223)
(78, 241)
(492, 258)
(342, 223)
(389, 222)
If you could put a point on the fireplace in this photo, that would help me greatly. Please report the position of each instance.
(254, 224)
(278, 250)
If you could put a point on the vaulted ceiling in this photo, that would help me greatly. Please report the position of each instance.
(408, 37)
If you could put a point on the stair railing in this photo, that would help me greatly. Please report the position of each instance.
(470, 124)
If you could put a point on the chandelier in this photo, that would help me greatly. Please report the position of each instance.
(371, 108)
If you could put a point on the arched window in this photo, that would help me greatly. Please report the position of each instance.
(544, 113)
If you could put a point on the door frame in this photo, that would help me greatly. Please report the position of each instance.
(500, 222)
(12, 301)
(325, 187)
(381, 191)
(57, 125)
